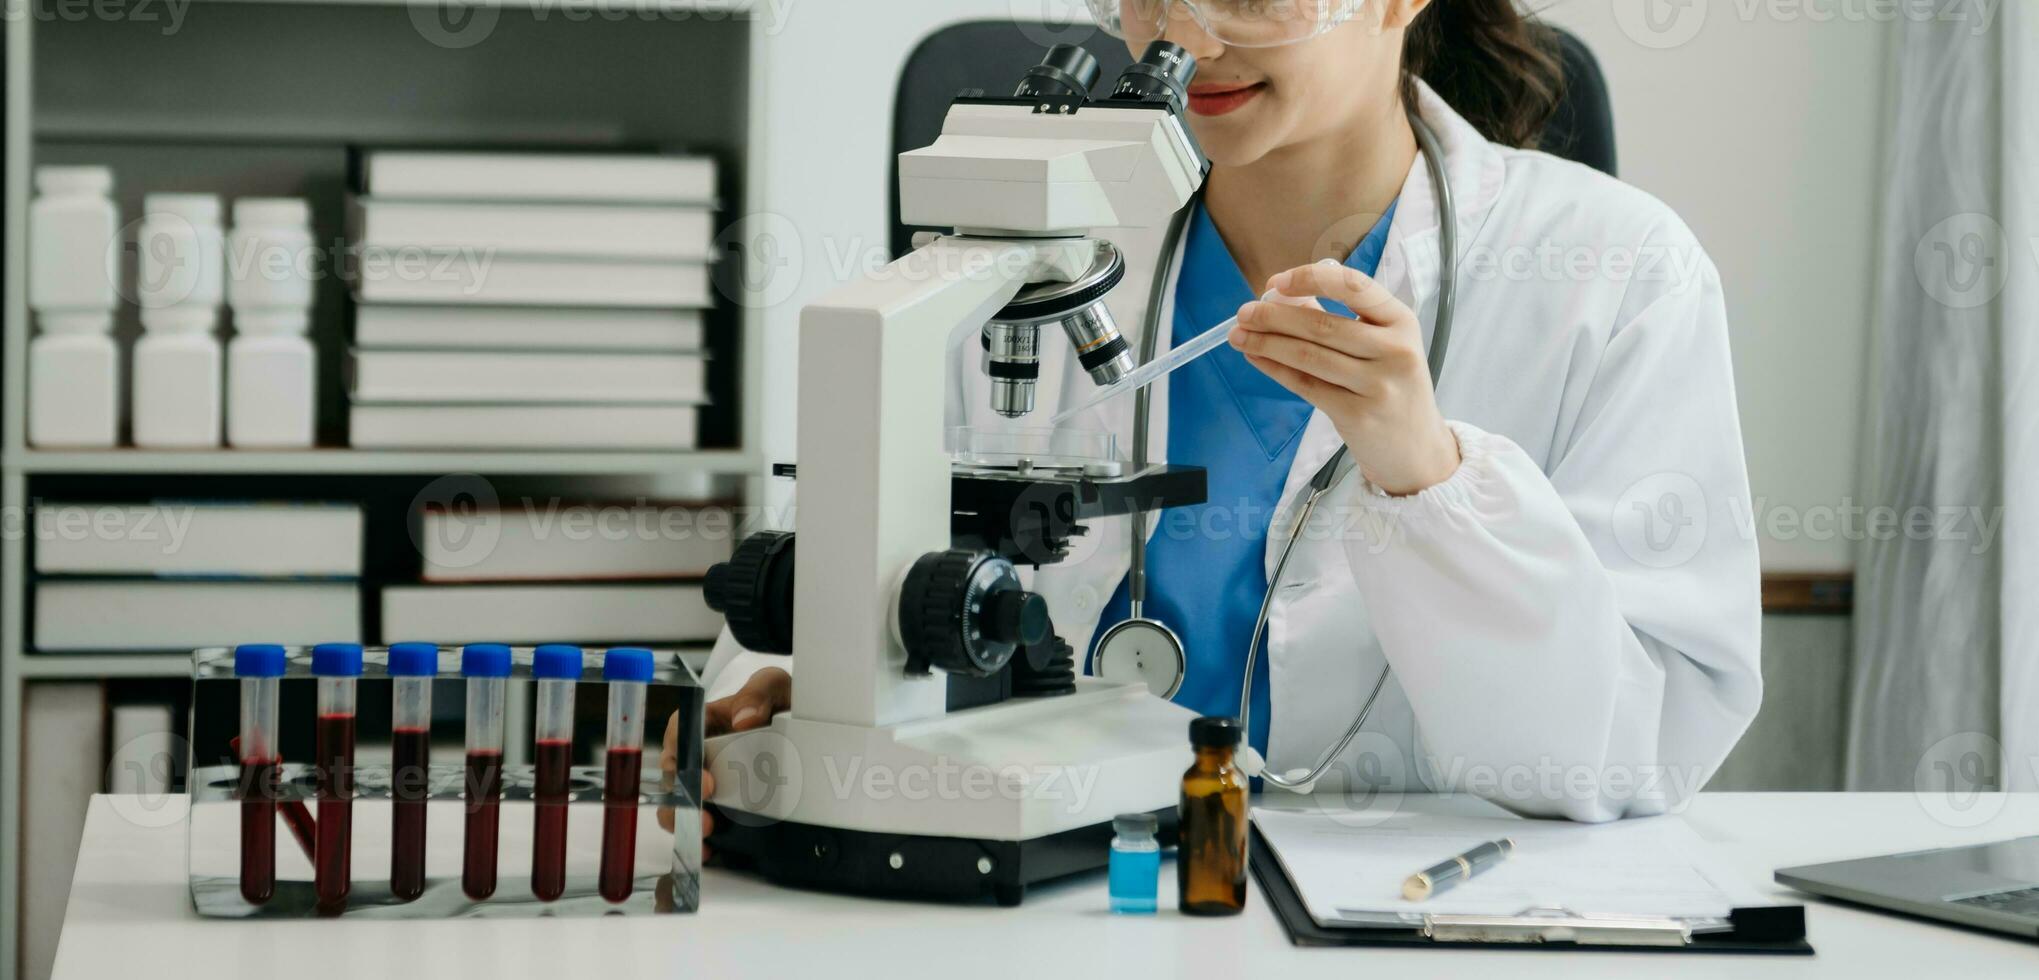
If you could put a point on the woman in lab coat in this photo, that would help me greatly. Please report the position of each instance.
(1551, 547)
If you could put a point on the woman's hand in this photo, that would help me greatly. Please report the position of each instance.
(768, 692)
(1368, 374)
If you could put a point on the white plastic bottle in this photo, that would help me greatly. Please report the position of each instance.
(177, 387)
(177, 394)
(271, 366)
(270, 380)
(73, 280)
(183, 252)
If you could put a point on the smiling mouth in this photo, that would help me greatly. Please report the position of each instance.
(1216, 100)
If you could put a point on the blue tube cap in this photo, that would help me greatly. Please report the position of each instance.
(258, 660)
(485, 660)
(337, 660)
(413, 659)
(627, 664)
(557, 661)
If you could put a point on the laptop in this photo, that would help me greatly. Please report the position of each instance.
(1988, 886)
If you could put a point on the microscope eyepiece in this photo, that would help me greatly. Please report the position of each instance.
(1161, 75)
(1066, 71)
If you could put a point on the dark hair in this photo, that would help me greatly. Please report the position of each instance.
(1495, 66)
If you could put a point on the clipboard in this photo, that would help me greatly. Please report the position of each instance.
(1766, 929)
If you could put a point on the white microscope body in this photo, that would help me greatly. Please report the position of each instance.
(869, 783)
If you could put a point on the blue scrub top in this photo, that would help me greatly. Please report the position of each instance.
(1206, 573)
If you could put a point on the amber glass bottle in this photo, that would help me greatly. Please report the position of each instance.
(1210, 861)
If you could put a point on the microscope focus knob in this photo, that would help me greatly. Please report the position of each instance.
(753, 590)
(965, 612)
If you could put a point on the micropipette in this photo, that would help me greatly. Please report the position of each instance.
(1177, 356)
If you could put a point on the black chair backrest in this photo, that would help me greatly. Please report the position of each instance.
(991, 55)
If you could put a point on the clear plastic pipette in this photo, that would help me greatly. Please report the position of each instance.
(1177, 356)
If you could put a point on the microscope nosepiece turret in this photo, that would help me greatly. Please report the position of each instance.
(1012, 337)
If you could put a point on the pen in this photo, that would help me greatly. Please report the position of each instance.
(1445, 874)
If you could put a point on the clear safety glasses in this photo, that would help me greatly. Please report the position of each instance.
(1239, 23)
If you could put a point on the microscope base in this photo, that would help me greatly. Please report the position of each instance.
(942, 869)
(976, 803)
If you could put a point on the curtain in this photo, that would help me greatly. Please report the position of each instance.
(1945, 671)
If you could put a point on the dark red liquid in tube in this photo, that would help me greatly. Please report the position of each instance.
(548, 847)
(410, 753)
(619, 822)
(258, 829)
(332, 870)
(484, 820)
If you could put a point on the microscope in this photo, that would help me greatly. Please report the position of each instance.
(940, 742)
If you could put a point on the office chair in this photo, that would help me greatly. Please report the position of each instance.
(991, 54)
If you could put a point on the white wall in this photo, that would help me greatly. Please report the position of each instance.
(825, 72)
(1764, 130)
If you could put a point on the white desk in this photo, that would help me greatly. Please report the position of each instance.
(129, 917)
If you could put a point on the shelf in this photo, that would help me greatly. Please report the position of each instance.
(58, 666)
(717, 462)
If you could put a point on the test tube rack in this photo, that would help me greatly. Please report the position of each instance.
(663, 871)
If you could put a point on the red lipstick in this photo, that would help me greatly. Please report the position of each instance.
(1218, 98)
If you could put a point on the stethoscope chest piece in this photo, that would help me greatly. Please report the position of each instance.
(1142, 651)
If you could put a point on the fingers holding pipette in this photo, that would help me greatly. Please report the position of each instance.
(1366, 373)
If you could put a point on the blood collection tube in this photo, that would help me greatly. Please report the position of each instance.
(258, 665)
(557, 667)
(627, 670)
(338, 669)
(487, 669)
(411, 669)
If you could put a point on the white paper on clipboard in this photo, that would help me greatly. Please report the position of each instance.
(1349, 871)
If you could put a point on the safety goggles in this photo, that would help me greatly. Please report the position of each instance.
(1238, 23)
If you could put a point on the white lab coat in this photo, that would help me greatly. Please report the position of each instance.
(1573, 617)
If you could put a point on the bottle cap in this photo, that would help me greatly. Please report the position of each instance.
(1136, 824)
(627, 664)
(557, 661)
(272, 211)
(199, 209)
(73, 180)
(1214, 732)
(337, 660)
(485, 660)
(413, 659)
(258, 660)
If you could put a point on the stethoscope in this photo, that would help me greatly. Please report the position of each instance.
(1145, 650)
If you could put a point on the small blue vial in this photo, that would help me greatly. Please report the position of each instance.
(1135, 864)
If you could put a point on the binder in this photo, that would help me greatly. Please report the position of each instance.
(1767, 929)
